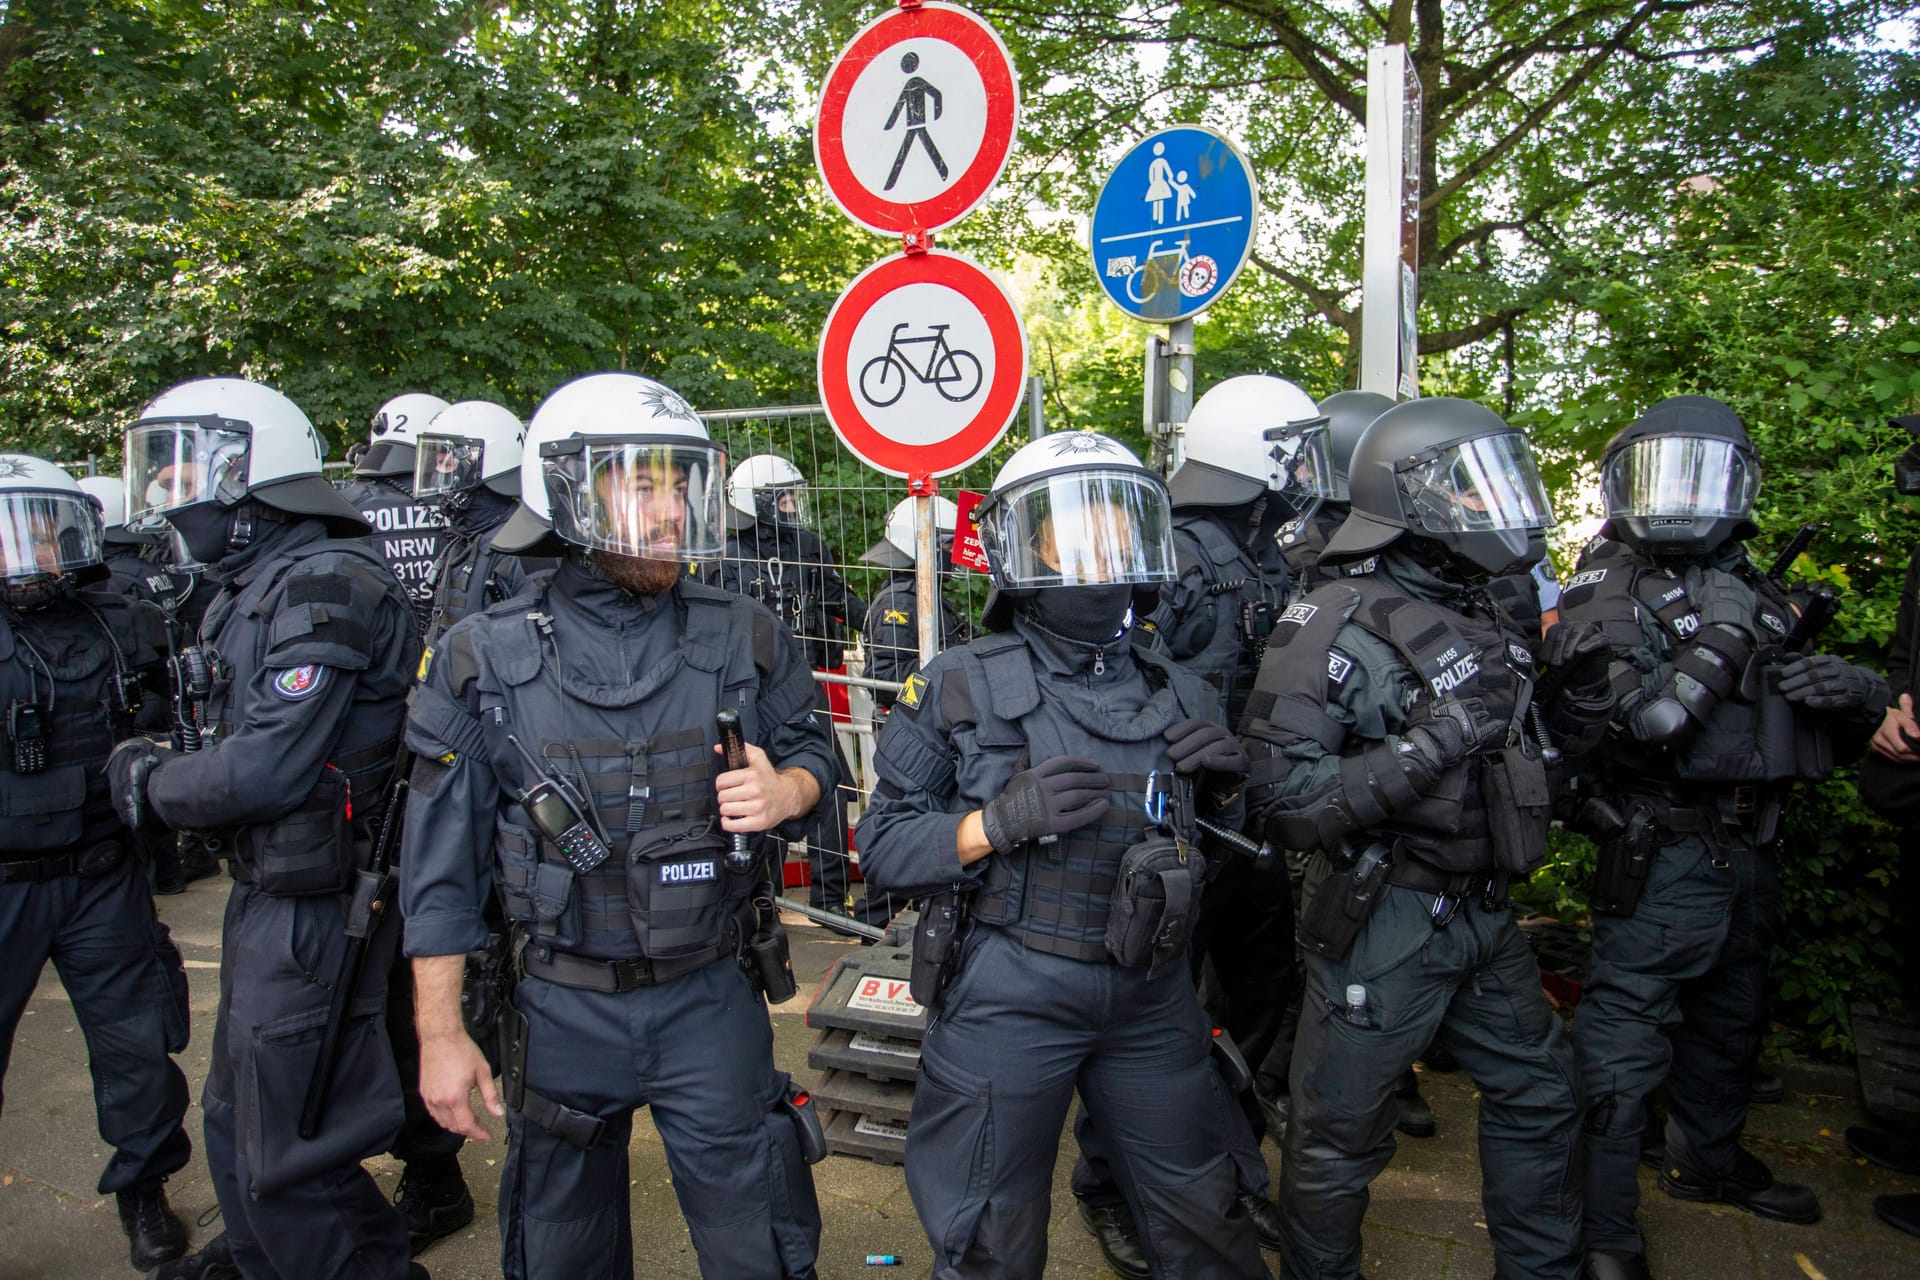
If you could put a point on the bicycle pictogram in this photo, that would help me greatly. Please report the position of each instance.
(1168, 270)
(953, 372)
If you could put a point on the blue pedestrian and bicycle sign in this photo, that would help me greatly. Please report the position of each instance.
(1174, 223)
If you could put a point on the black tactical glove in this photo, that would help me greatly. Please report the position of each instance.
(1197, 744)
(1721, 599)
(1052, 798)
(1825, 683)
(128, 768)
(1577, 655)
(1430, 748)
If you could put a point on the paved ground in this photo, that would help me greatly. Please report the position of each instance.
(1425, 1220)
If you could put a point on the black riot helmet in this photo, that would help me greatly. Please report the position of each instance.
(1906, 468)
(1349, 414)
(1682, 479)
(1451, 474)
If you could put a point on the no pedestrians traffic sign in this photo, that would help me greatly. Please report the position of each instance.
(922, 364)
(916, 119)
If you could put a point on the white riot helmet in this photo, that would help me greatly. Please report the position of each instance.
(1251, 435)
(50, 530)
(770, 490)
(469, 444)
(221, 440)
(394, 429)
(897, 548)
(616, 462)
(111, 494)
(1077, 508)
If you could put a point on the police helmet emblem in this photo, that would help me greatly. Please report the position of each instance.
(12, 469)
(1067, 443)
(666, 403)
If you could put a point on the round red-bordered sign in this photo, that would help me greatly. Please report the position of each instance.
(922, 364)
(917, 119)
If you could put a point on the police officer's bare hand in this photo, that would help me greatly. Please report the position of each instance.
(1194, 744)
(760, 796)
(1826, 683)
(1898, 733)
(1579, 653)
(1058, 795)
(451, 1068)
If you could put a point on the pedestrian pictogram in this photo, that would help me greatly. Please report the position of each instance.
(916, 119)
(922, 364)
(1174, 223)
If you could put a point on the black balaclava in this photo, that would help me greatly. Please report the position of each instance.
(206, 529)
(1091, 615)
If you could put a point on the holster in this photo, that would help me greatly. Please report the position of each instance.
(575, 1128)
(798, 1105)
(1155, 903)
(486, 990)
(1513, 786)
(936, 948)
(768, 956)
(1628, 846)
(1343, 902)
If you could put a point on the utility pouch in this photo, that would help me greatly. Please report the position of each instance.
(485, 991)
(1626, 855)
(769, 954)
(936, 949)
(1343, 902)
(1513, 786)
(1156, 899)
(798, 1105)
(309, 851)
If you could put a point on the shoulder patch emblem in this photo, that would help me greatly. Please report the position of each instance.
(1300, 612)
(1586, 578)
(296, 683)
(1773, 624)
(1520, 655)
(1339, 666)
(894, 616)
(426, 664)
(912, 690)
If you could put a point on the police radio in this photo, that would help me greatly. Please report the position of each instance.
(28, 734)
(561, 814)
(733, 746)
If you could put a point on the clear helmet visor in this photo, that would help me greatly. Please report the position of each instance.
(1478, 485)
(170, 465)
(784, 505)
(1302, 458)
(1081, 528)
(47, 534)
(1690, 477)
(654, 500)
(447, 464)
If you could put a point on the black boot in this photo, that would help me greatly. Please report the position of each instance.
(1749, 1185)
(211, 1261)
(197, 861)
(1885, 1148)
(1416, 1117)
(154, 1234)
(1902, 1213)
(1765, 1088)
(1266, 1219)
(1118, 1236)
(435, 1202)
(1602, 1264)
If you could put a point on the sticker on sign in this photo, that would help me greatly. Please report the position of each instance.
(884, 995)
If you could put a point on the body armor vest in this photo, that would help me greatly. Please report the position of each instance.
(1464, 657)
(407, 535)
(68, 693)
(1234, 590)
(471, 576)
(1754, 733)
(642, 753)
(1054, 895)
(238, 634)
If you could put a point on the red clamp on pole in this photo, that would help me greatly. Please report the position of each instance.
(923, 486)
(916, 242)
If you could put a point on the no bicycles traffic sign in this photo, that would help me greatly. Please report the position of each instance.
(922, 364)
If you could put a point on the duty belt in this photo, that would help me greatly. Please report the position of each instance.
(611, 976)
(1451, 888)
(39, 870)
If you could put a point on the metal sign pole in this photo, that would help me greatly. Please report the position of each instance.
(926, 574)
(1389, 343)
(1179, 389)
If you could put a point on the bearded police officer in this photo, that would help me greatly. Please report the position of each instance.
(568, 757)
(311, 645)
(72, 655)
(406, 532)
(1021, 781)
(1255, 458)
(1394, 728)
(1722, 704)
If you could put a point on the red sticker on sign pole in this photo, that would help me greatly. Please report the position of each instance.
(922, 364)
(917, 118)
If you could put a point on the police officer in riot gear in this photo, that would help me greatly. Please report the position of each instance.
(124, 549)
(1721, 705)
(892, 627)
(1305, 536)
(774, 557)
(1016, 775)
(568, 759)
(407, 532)
(72, 656)
(1255, 458)
(312, 648)
(1394, 727)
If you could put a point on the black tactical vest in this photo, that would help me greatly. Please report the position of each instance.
(1055, 894)
(66, 684)
(1232, 586)
(643, 753)
(1754, 734)
(1465, 657)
